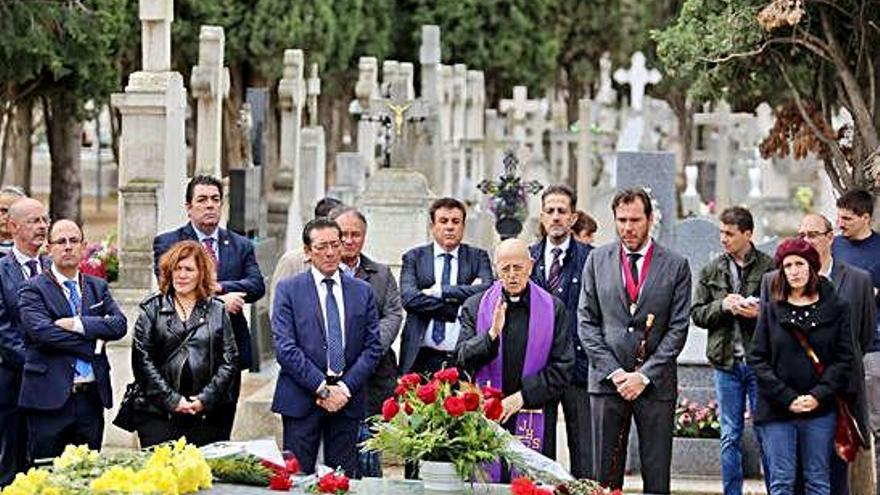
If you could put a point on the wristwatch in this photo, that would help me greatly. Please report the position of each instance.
(324, 392)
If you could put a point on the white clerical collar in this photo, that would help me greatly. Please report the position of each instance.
(438, 250)
(563, 245)
(319, 277)
(643, 251)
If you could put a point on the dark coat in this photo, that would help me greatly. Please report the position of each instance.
(12, 349)
(417, 273)
(611, 334)
(782, 367)
(388, 303)
(301, 344)
(569, 292)
(238, 272)
(52, 352)
(161, 346)
(715, 283)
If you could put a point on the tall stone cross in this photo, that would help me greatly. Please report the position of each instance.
(638, 77)
(518, 110)
(156, 17)
(313, 90)
(291, 98)
(210, 85)
(726, 123)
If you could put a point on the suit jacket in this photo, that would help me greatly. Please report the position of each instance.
(11, 334)
(855, 288)
(388, 304)
(569, 292)
(52, 352)
(301, 346)
(238, 272)
(611, 334)
(417, 273)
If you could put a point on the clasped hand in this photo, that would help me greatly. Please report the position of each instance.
(629, 384)
(190, 405)
(803, 404)
(336, 400)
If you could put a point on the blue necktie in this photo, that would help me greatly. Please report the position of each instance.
(438, 333)
(83, 368)
(335, 352)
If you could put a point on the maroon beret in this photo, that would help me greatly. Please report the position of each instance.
(799, 247)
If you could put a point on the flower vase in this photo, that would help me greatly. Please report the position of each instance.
(440, 478)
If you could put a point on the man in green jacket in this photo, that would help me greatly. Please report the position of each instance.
(726, 304)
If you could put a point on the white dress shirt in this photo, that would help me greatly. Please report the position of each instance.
(548, 254)
(77, 322)
(337, 294)
(452, 327)
(201, 236)
(22, 260)
(640, 263)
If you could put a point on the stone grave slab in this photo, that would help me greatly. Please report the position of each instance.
(654, 170)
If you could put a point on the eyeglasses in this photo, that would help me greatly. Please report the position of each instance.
(324, 246)
(73, 241)
(812, 234)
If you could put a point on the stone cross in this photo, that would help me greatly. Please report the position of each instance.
(606, 94)
(518, 110)
(366, 90)
(210, 85)
(638, 77)
(725, 122)
(406, 73)
(459, 100)
(475, 106)
(156, 17)
(313, 90)
(291, 97)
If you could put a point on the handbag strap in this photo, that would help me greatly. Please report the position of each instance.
(811, 354)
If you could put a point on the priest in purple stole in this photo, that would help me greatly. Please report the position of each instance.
(513, 337)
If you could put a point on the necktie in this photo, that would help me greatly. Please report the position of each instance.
(335, 352)
(209, 247)
(634, 267)
(83, 368)
(32, 268)
(438, 332)
(555, 276)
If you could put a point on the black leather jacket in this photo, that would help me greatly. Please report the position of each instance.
(161, 346)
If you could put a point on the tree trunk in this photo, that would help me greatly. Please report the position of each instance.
(17, 147)
(64, 133)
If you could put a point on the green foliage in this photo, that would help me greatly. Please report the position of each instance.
(240, 469)
(68, 48)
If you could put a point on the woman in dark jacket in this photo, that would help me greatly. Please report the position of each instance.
(184, 355)
(796, 410)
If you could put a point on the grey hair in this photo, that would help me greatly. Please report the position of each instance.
(12, 191)
(343, 209)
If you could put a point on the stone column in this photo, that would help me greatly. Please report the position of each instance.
(291, 98)
(152, 176)
(584, 154)
(210, 85)
(431, 165)
(366, 91)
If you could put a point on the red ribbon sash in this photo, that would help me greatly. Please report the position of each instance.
(633, 289)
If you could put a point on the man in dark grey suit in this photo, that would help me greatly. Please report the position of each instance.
(381, 280)
(633, 319)
(854, 286)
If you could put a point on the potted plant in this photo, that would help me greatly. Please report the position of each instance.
(695, 448)
(445, 424)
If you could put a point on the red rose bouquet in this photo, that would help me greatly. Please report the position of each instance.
(443, 419)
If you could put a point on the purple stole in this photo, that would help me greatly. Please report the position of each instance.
(529, 424)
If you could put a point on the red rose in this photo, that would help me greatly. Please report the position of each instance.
(427, 393)
(491, 393)
(407, 408)
(292, 465)
(399, 390)
(448, 375)
(327, 483)
(454, 406)
(410, 380)
(342, 483)
(280, 482)
(390, 408)
(471, 401)
(493, 408)
(522, 486)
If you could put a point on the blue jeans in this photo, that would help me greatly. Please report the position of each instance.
(369, 463)
(733, 388)
(812, 439)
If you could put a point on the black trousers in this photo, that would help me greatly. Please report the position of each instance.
(199, 430)
(13, 444)
(611, 422)
(79, 421)
(578, 429)
(303, 436)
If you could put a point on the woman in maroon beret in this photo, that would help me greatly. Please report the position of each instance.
(801, 354)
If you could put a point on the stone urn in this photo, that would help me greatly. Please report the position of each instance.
(440, 478)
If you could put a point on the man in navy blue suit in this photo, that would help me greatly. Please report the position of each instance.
(238, 274)
(67, 317)
(326, 332)
(435, 280)
(559, 262)
(28, 223)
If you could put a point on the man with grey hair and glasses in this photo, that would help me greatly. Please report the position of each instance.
(8, 195)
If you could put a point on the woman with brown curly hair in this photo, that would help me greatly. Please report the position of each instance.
(184, 355)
